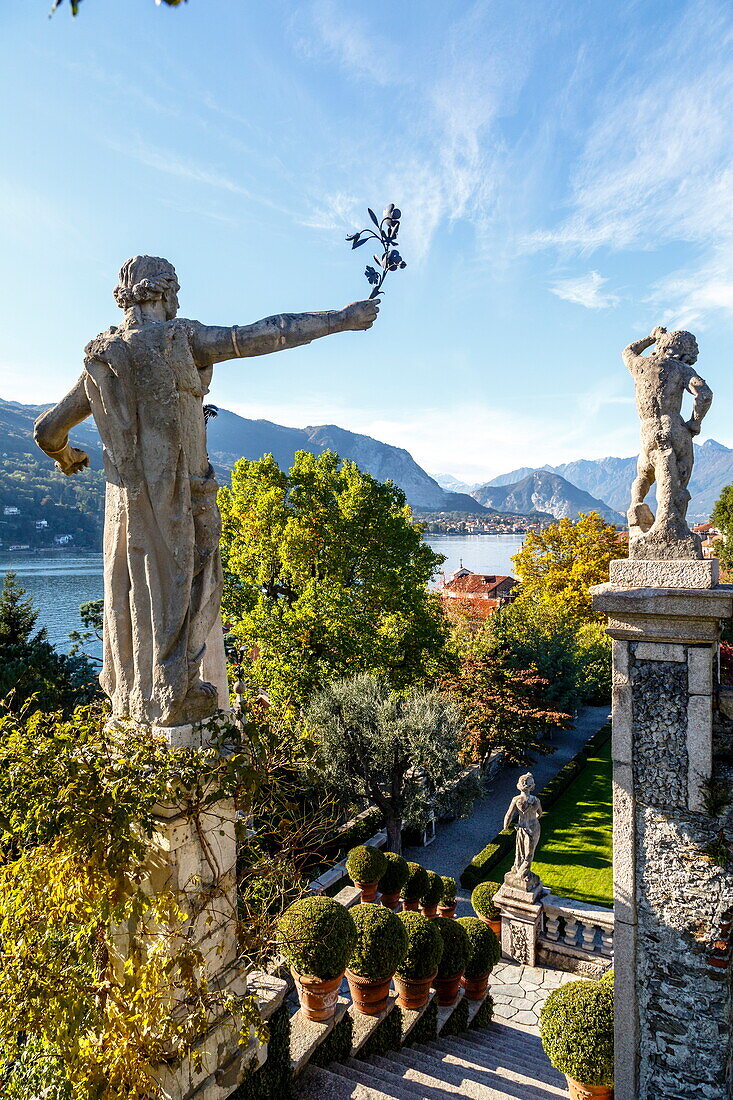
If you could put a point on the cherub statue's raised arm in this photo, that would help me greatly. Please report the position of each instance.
(144, 384)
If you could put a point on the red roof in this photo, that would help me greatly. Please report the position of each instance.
(478, 584)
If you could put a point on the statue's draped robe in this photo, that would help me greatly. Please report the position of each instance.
(162, 570)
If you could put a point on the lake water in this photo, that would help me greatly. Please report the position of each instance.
(60, 580)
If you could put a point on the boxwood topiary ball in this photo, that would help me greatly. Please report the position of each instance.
(456, 947)
(449, 890)
(576, 1028)
(396, 875)
(484, 948)
(416, 884)
(381, 943)
(608, 977)
(434, 890)
(424, 947)
(317, 936)
(365, 864)
(482, 900)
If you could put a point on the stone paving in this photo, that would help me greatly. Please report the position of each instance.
(520, 991)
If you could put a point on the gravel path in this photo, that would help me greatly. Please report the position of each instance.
(456, 844)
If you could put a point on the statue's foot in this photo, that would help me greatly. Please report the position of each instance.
(201, 702)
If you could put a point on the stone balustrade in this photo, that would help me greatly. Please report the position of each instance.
(575, 930)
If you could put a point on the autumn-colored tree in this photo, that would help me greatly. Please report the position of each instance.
(326, 575)
(561, 563)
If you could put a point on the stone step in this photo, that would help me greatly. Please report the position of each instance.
(369, 1076)
(504, 1049)
(323, 1084)
(525, 1074)
(429, 1074)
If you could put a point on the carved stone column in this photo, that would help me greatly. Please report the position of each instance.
(521, 916)
(672, 1009)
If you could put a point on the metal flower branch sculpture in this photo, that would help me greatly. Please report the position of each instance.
(386, 236)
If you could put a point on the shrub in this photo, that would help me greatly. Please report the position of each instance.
(457, 1022)
(485, 1014)
(365, 863)
(424, 947)
(480, 866)
(381, 943)
(608, 977)
(484, 949)
(576, 1028)
(449, 890)
(482, 900)
(456, 947)
(416, 884)
(336, 1047)
(396, 874)
(433, 894)
(317, 936)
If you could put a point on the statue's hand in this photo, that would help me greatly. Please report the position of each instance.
(361, 315)
(660, 330)
(72, 460)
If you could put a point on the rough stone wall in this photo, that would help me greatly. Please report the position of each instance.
(659, 693)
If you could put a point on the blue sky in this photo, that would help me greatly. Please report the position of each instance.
(565, 172)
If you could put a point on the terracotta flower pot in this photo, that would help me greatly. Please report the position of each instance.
(370, 998)
(429, 910)
(317, 998)
(413, 992)
(391, 901)
(494, 925)
(368, 890)
(448, 911)
(718, 961)
(447, 989)
(411, 906)
(475, 989)
(588, 1092)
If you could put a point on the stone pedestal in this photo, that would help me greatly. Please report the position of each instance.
(671, 1012)
(521, 916)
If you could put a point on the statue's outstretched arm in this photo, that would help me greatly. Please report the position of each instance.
(51, 430)
(214, 344)
(703, 396)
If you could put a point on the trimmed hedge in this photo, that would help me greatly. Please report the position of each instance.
(396, 874)
(274, 1079)
(457, 1022)
(386, 1036)
(424, 946)
(336, 1047)
(576, 1029)
(426, 1028)
(365, 864)
(381, 943)
(484, 952)
(433, 893)
(482, 864)
(482, 900)
(450, 888)
(316, 936)
(456, 947)
(416, 884)
(485, 1014)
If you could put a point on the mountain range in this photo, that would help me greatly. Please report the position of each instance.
(544, 491)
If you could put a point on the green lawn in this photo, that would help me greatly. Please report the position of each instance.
(574, 855)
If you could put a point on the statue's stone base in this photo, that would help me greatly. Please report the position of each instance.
(521, 916)
(664, 548)
(653, 573)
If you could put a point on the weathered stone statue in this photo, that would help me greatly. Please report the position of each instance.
(144, 384)
(529, 810)
(661, 380)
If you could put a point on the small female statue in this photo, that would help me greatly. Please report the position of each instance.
(529, 810)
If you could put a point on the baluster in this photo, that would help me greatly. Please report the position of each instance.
(588, 937)
(572, 928)
(607, 941)
(552, 925)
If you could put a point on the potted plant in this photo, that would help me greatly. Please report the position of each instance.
(576, 1029)
(393, 879)
(414, 887)
(484, 953)
(416, 973)
(431, 895)
(316, 936)
(482, 900)
(365, 866)
(381, 945)
(447, 906)
(456, 949)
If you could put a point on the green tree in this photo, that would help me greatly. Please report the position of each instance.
(30, 666)
(374, 747)
(326, 575)
(722, 518)
(541, 635)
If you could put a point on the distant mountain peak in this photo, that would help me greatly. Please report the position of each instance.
(544, 491)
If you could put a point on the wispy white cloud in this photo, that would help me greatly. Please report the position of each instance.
(585, 290)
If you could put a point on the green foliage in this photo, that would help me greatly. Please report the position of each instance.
(576, 1028)
(456, 947)
(336, 1047)
(457, 1022)
(482, 900)
(485, 1014)
(450, 888)
(386, 1036)
(482, 863)
(372, 746)
(316, 936)
(68, 505)
(366, 863)
(273, 1080)
(540, 635)
(433, 893)
(424, 947)
(608, 977)
(426, 1028)
(484, 947)
(416, 883)
(722, 518)
(32, 673)
(326, 575)
(381, 943)
(594, 659)
(396, 874)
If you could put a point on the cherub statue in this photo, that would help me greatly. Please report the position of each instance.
(529, 810)
(144, 384)
(661, 380)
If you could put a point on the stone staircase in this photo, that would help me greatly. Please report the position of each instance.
(504, 1061)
